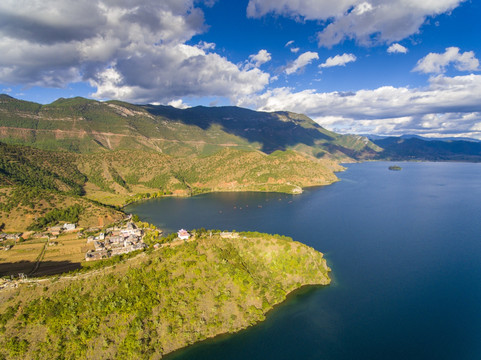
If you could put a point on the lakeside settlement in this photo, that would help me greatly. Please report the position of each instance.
(116, 240)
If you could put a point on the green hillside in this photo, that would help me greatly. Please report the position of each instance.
(29, 177)
(122, 176)
(156, 303)
(87, 126)
(46, 170)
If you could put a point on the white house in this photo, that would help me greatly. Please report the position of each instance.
(183, 234)
(69, 227)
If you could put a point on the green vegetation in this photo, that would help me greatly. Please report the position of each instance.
(150, 305)
(39, 169)
(70, 214)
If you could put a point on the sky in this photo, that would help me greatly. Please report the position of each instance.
(385, 67)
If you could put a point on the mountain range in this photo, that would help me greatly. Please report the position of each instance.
(86, 126)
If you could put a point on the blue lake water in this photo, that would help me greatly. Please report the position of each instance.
(405, 252)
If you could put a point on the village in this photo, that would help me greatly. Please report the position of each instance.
(116, 240)
(62, 247)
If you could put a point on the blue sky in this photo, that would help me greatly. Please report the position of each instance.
(387, 67)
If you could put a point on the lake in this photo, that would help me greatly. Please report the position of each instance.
(405, 252)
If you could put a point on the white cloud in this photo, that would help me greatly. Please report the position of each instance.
(206, 46)
(362, 8)
(258, 59)
(368, 22)
(437, 63)
(397, 48)
(302, 61)
(449, 105)
(308, 9)
(131, 50)
(176, 71)
(179, 104)
(338, 60)
(293, 49)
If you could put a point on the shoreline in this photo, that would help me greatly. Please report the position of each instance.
(220, 336)
(122, 207)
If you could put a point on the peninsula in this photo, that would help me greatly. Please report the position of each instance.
(159, 301)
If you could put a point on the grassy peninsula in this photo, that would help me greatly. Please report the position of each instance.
(157, 302)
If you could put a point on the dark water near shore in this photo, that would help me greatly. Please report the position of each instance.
(405, 250)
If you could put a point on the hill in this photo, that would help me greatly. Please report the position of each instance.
(86, 126)
(119, 177)
(34, 182)
(156, 303)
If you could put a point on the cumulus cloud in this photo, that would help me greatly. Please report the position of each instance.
(258, 59)
(368, 22)
(397, 48)
(179, 104)
(295, 50)
(176, 71)
(134, 50)
(449, 105)
(437, 63)
(302, 61)
(338, 60)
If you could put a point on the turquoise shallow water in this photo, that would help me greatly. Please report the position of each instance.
(405, 249)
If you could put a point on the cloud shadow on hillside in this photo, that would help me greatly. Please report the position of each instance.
(261, 127)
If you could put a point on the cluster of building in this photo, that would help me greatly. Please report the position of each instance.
(8, 237)
(115, 241)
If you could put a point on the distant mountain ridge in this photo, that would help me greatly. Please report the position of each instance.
(373, 137)
(418, 148)
(85, 126)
